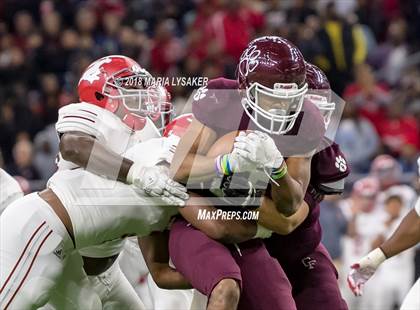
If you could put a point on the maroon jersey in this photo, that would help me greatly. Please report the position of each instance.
(218, 106)
(328, 171)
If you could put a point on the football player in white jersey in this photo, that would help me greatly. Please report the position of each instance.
(405, 236)
(9, 190)
(117, 103)
(35, 244)
(111, 286)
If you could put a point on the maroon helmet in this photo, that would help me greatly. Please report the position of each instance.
(272, 72)
(319, 91)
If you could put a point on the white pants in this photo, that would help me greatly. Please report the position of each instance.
(412, 300)
(74, 291)
(34, 246)
(115, 291)
(134, 268)
(169, 299)
(109, 290)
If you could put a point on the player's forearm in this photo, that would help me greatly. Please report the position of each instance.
(270, 217)
(288, 195)
(190, 162)
(86, 152)
(168, 278)
(406, 235)
(156, 255)
(226, 231)
(194, 168)
(289, 192)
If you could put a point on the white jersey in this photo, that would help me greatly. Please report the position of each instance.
(9, 190)
(108, 129)
(103, 210)
(102, 124)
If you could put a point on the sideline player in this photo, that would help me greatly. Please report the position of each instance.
(35, 244)
(268, 97)
(405, 236)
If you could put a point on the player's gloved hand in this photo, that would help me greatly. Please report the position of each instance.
(233, 162)
(155, 182)
(363, 270)
(260, 148)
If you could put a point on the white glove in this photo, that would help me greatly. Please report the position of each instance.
(155, 182)
(259, 148)
(363, 270)
(240, 163)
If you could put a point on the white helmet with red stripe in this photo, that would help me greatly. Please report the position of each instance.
(118, 84)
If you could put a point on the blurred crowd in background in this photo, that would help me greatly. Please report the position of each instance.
(369, 50)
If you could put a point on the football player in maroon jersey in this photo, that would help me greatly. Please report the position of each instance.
(306, 262)
(267, 98)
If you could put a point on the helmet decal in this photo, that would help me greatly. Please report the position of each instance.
(249, 60)
(92, 72)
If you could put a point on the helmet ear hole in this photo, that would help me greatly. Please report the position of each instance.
(99, 96)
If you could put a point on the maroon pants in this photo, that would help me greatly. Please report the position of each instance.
(314, 281)
(205, 262)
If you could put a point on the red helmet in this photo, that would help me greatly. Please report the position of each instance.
(178, 126)
(272, 71)
(319, 91)
(118, 84)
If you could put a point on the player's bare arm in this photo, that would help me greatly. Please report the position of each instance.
(78, 147)
(272, 219)
(155, 251)
(226, 231)
(406, 235)
(190, 160)
(289, 192)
